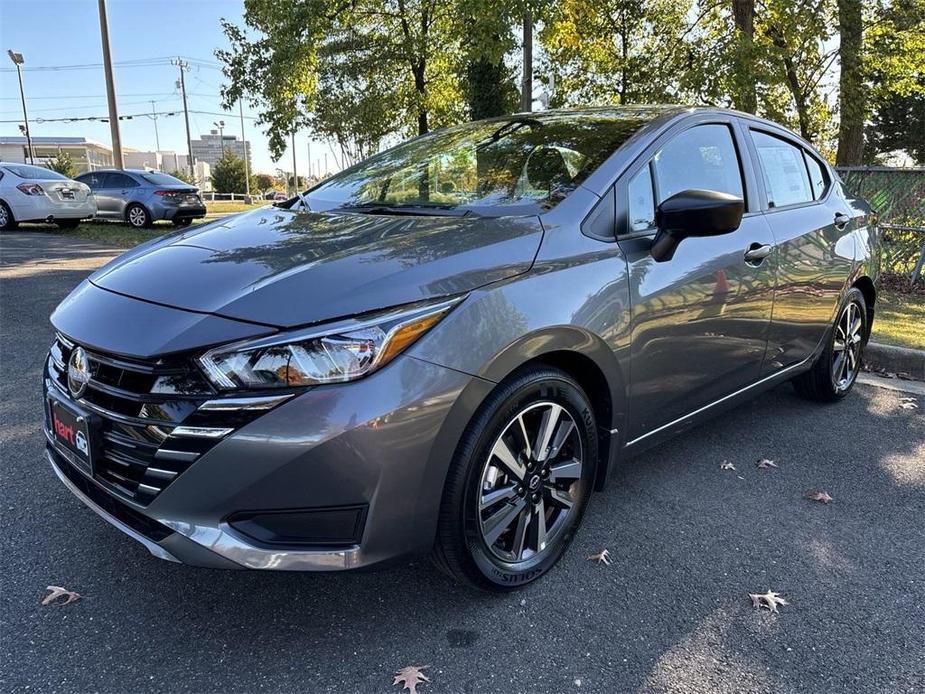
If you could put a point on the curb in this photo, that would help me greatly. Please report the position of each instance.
(897, 360)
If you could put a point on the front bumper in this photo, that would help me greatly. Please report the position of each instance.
(383, 443)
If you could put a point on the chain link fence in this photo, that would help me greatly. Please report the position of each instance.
(898, 196)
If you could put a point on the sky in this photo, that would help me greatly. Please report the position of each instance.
(54, 33)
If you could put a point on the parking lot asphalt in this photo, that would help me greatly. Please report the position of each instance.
(688, 540)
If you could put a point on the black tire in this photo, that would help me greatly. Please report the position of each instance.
(461, 549)
(67, 223)
(137, 216)
(829, 379)
(185, 222)
(7, 222)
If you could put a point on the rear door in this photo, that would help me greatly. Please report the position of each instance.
(117, 191)
(812, 228)
(700, 320)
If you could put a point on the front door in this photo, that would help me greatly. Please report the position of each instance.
(701, 319)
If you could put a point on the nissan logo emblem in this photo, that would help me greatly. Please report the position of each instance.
(78, 372)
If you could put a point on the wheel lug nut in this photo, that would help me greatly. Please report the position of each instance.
(536, 497)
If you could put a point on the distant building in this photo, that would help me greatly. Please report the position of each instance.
(87, 155)
(160, 160)
(209, 148)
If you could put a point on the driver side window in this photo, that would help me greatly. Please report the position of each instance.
(701, 157)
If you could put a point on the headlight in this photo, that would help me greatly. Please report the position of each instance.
(343, 351)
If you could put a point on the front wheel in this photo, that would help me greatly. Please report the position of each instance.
(837, 368)
(519, 482)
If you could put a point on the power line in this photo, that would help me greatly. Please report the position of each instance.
(141, 62)
(76, 119)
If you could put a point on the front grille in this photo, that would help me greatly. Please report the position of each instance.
(135, 406)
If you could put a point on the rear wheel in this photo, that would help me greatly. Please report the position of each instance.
(137, 216)
(7, 223)
(519, 482)
(837, 368)
(67, 223)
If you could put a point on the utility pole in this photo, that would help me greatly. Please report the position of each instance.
(110, 90)
(325, 164)
(183, 66)
(309, 157)
(157, 139)
(247, 170)
(526, 89)
(18, 61)
(295, 174)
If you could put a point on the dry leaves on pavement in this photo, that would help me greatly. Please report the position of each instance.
(57, 592)
(726, 465)
(410, 677)
(769, 600)
(602, 557)
(908, 404)
(764, 463)
(819, 495)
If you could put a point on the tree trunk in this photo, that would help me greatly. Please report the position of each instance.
(851, 99)
(794, 86)
(526, 91)
(743, 12)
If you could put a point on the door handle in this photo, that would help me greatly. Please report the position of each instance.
(756, 253)
(841, 220)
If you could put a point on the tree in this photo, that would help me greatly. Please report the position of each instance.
(228, 174)
(264, 182)
(183, 175)
(386, 64)
(852, 95)
(743, 60)
(63, 164)
(624, 51)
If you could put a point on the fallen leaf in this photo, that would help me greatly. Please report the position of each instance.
(819, 495)
(602, 557)
(726, 465)
(59, 592)
(764, 463)
(909, 406)
(410, 677)
(769, 600)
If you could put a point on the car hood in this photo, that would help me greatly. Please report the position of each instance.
(282, 268)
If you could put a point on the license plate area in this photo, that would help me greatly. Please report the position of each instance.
(71, 432)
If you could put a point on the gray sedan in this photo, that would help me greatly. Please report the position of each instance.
(447, 347)
(142, 197)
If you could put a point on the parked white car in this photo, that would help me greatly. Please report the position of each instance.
(36, 194)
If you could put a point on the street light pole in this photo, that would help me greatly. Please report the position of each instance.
(295, 174)
(157, 139)
(221, 134)
(247, 171)
(18, 61)
(110, 90)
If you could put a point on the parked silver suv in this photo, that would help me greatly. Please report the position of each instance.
(142, 197)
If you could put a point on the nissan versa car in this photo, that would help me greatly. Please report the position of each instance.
(142, 197)
(447, 347)
(36, 194)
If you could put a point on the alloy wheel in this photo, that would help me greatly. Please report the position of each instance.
(846, 349)
(137, 217)
(4, 218)
(530, 482)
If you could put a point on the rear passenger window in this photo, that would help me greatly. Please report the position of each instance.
(817, 176)
(702, 157)
(784, 171)
(641, 201)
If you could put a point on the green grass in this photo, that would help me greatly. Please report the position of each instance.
(900, 320)
(232, 206)
(116, 234)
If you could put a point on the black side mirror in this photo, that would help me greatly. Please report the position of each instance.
(694, 213)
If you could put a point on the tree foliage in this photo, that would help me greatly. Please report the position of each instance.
(183, 175)
(228, 174)
(63, 164)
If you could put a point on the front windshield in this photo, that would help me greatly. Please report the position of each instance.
(528, 159)
(34, 173)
